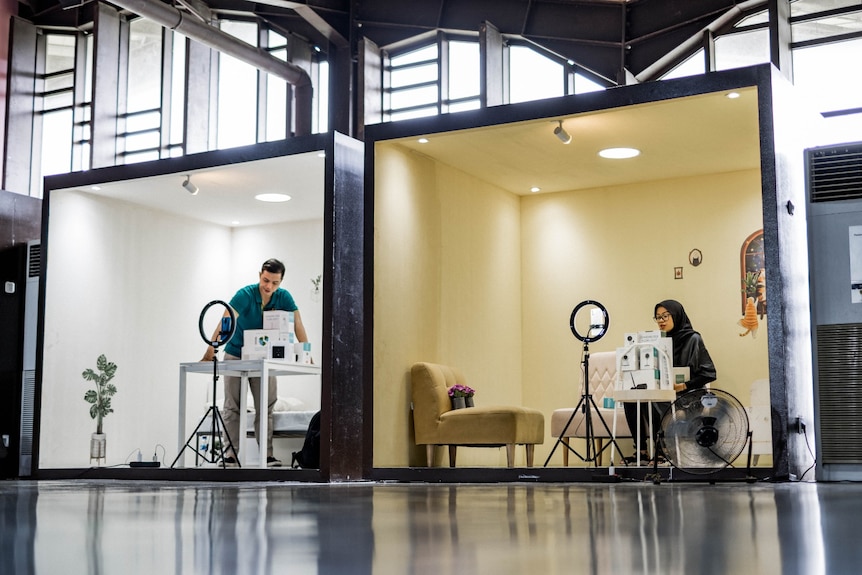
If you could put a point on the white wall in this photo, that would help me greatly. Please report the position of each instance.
(130, 283)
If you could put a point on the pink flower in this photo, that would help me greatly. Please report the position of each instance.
(459, 390)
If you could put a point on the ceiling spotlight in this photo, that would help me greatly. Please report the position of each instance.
(562, 134)
(190, 187)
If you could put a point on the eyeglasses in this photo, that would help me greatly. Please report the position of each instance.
(663, 317)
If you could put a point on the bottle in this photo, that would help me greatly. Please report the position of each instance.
(204, 444)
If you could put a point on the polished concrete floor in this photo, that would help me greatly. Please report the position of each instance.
(166, 528)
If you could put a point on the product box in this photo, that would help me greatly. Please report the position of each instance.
(303, 352)
(681, 374)
(627, 358)
(256, 342)
(642, 379)
(650, 336)
(278, 320)
(648, 357)
(631, 338)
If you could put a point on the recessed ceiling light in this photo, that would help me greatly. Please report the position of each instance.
(95, 188)
(535, 189)
(235, 223)
(321, 154)
(733, 95)
(422, 140)
(619, 153)
(272, 197)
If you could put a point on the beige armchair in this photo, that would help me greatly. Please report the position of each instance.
(436, 423)
(602, 377)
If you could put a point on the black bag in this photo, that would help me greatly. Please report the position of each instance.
(309, 456)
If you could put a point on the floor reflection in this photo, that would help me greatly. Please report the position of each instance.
(110, 527)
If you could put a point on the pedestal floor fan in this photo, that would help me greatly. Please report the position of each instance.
(704, 431)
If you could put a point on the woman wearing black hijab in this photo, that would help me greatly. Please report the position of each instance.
(688, 351)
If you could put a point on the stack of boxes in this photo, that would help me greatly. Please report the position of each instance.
(645, 362)
(277, 340)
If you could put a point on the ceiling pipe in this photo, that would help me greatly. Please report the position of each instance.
(175, 19)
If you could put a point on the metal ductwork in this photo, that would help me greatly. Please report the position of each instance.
(187, 25)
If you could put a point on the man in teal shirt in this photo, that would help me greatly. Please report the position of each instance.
(249, 303)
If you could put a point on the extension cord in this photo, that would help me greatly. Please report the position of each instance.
(144, 464)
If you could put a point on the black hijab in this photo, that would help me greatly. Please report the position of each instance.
(688, 348)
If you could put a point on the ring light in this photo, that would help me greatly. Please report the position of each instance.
(596, 330)
(226, 329)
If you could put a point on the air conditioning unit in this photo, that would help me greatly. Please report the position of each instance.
(28, 375)
(834, 186)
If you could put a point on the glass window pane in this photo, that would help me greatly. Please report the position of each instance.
(141, 157)
(414, 97)
(463, 106)
(742, 49)
(237, 103)
(826, 27)
(57, 101)
(145, 65)
(692, 67)
(463, 70)
(759, 18)
(412, 76)
(801, 7)
(146, 121)
(584, 85)
(275, 40)
(533, 76)
(57, 142)
(420, 113)
(322, 97)
(59, 82)
(142, 141)
(59, 53)
(420, 55)
(823, 73)
(276, 109)
(245, 31)
(178, 80)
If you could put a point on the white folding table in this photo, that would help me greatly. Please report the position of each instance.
(638, 396)
(244, 369)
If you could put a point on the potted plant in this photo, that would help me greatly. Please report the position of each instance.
(461, 396)
(100, 403)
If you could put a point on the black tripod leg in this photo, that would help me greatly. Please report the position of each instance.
(563, 434)
(613, 440)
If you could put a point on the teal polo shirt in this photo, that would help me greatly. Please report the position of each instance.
(249, 307)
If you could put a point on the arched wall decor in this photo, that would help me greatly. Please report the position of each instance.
(753, 272)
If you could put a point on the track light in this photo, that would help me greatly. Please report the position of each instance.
(562, 134)
(190, 187)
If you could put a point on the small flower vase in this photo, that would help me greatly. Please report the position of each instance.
(459, 402)
(98, 447)
(469, 401)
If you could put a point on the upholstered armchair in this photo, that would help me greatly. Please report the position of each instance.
(436, 423)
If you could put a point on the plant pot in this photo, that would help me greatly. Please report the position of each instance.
(469, 401)
(98, 445)
(459, 402)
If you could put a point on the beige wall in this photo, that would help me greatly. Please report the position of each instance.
(471, 275)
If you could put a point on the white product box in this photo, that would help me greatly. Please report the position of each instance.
(650, 336)
(256, 342)
(642, 379)
(278, 320)
(631, 338)
(627, 358)
(303, 352)
(681, 374)
(648, 357)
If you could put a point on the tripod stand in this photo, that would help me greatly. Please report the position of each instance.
(217, 427)
(587, 406)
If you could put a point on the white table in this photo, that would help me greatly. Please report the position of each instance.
(244, 369)
(638, 396)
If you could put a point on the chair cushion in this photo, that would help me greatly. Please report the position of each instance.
(491, 425)
(578, 427)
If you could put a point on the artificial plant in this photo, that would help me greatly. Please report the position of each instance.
(100, 398)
